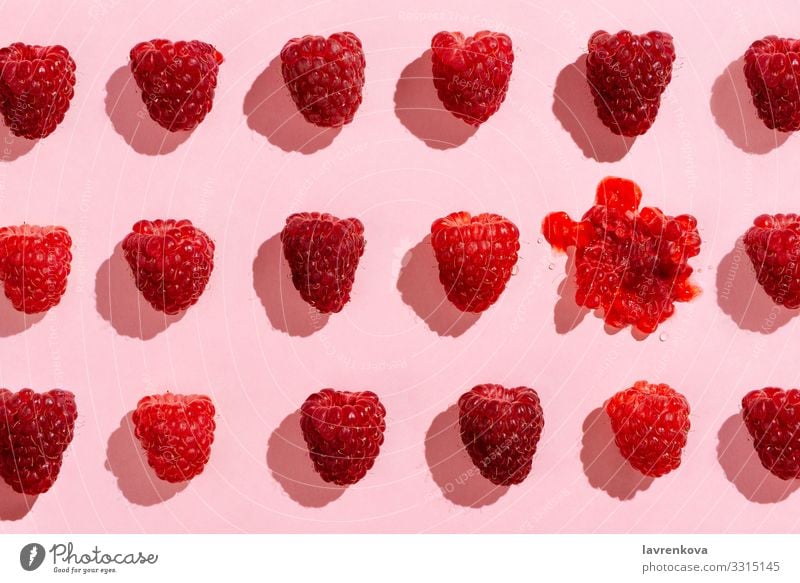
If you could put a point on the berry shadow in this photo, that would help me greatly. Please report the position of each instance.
(741, 297)
(271, 112)
(285, 308)
(126, 460)
(120, 303)
(420, 288)
(458, 479)
(13, 505)
(566, 313)
(128, 115)
(743, 468)
(13, 321)
(419, 109)
(13, 147)
(603, 464)
(574, 108)
(288, 460)
(733, 110)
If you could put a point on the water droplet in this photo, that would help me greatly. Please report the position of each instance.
(663, 336)
(515, 269)
(551, 266)
(540, 240)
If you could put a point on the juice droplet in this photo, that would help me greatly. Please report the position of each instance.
(515, 269)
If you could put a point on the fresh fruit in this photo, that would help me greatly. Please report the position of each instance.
(773, 246)
(631, 264)
(177, 80)
(627, 73)
(471, 74)
(500, 429)
(772, 416)
(171, 262)
(323, 253)
(34, 265)
(35, 430)
(176, 433)
(36, 86)
(343, 432)
(325, 77)
(650, 424)
(476, 257)
(772, 70)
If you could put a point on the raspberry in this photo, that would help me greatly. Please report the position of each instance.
(323, 253)
(325, 77)
(176, 432)
(36, 86)
(343, 432)
(773, 246)
(632, 265)
(476, 257)
(34, 265)
(772, 70)
(171, 262)
(500, 429)
(627, 73)
(650, 424)
(177, 80)
(35, 430)
(471, 74)
(772, 417)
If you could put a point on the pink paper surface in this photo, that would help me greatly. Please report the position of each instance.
(254, 346)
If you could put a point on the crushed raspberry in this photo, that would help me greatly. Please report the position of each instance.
(632, 265)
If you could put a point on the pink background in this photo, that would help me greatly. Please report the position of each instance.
(252, 344)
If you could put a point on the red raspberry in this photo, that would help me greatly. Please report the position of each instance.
(500, 429)
(772, 70)
(632, 265)
(323, 253)
(772, 416)
(325, 76)
(171, 262)
(773, 246)
(343, 432)
(36, 86)
(177, 80)
(35, 430)
(650, 424)
(476, 257)
(34, 265)
(176, 432)
(471, 74)
(627, 73)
